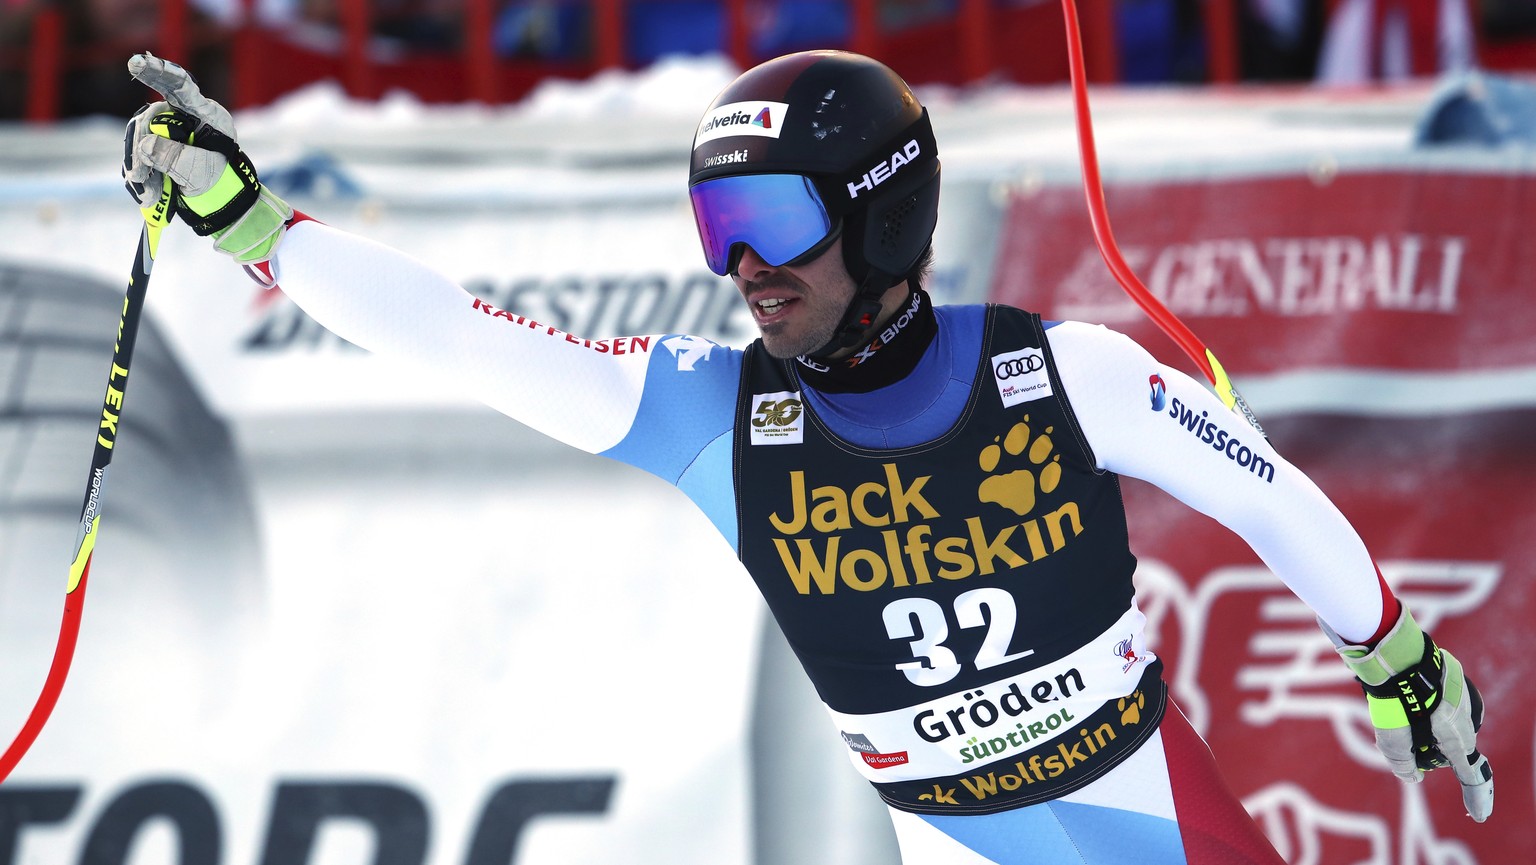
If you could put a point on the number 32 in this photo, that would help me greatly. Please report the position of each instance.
(925, 622)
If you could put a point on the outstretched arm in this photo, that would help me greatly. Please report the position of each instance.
(580, 391)
(583, 392)
(1188, 444)
(1152, 422)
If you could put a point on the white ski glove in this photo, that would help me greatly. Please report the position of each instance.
(1425, 710)
(191, 139)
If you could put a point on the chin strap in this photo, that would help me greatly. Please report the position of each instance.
(860, 318)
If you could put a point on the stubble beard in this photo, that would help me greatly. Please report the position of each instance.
(816, 320)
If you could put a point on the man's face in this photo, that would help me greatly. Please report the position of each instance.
(796, 308)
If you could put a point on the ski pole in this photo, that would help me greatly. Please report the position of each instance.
(156, 218)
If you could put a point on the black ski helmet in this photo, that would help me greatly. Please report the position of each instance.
(853, 128)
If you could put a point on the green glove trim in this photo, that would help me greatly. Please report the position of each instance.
(1398, 651)
(253, 238)
(227, 199)
(219, 195)
(1425, 711)
(1386, 714)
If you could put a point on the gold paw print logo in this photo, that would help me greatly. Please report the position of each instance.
(1017, 489)
(1130, 708)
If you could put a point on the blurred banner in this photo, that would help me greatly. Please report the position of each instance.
(1377, 323)
(341, 613)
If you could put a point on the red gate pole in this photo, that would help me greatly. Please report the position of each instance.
(738, 35)
(245, 60)
(866, 27)
(1221, 49)
(975, 40)
(608, 33)
(45, 65)
(357, 68)
(173, 31)
(479, 51)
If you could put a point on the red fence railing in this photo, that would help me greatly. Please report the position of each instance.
(1016, 40)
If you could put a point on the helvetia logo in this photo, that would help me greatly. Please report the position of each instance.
(763, 119)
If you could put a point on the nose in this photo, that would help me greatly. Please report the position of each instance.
(751, 265)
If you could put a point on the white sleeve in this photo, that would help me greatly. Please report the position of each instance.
(582, 392)
(1188, 444)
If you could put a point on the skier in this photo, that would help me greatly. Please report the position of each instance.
(927, 498)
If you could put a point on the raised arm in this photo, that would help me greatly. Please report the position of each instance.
(584, 392)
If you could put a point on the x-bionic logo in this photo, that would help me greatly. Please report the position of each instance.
(890, 332)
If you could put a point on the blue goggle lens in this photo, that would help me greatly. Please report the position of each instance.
(781, 216)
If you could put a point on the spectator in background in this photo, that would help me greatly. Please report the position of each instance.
(16, 19)
(97, 32)
(420, 25)
(1391, 40)
(1280, 39)
(541, 29)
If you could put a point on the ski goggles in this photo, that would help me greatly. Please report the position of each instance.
(781, 216)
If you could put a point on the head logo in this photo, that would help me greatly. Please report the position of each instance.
(762, 119)
(776, 418)
(1159, 392)
(884, 170)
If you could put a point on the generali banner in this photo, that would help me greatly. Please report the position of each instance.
(1402, 270)
(1374, 302)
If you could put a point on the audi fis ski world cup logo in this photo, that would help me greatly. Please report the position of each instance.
(1021, 376)
(776, 418)
(763, 119)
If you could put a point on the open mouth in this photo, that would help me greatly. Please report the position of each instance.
(771, 308)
